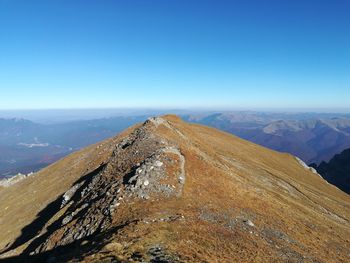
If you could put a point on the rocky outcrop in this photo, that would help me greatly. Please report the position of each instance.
(150, 176)
(143, 166)
(337, 170)
(14, 179)
(311, 169)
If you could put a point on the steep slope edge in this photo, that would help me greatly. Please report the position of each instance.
(337, 170)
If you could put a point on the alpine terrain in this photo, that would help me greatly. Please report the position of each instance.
(169, 191)
(312, 137)
(337, 170)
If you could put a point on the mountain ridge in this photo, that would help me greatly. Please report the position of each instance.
(178, 192)
(313, 139)
(31, 146)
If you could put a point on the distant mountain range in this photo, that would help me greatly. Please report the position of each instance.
(26, 146)
(337, 170)
(312, 137)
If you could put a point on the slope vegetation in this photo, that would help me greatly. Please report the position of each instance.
(313, 138)
(169, 191)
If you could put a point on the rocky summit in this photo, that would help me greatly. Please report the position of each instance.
(169, 191)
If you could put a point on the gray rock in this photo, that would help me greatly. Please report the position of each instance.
(248, 222)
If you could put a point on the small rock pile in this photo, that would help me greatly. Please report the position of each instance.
(151, 177)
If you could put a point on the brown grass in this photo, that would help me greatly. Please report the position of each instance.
(227, 177)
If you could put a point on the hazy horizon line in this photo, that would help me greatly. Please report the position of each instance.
(226, 109)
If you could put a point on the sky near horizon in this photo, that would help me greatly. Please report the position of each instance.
(175, 54)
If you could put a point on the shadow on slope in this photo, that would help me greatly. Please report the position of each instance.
(35, 228)
(75, 250)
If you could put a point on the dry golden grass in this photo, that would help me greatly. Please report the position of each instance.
(297, 216)
(20, 203)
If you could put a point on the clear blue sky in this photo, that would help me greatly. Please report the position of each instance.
(211, 54)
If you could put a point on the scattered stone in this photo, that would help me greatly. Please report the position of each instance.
(248, 222)
(272, 236)
(181, 179)
(159, 254)
(67, 219)
(147, 178)
(69, 194)
(158, 163)
(14, 179)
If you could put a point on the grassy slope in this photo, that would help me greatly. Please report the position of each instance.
(227, 180)
(21, 203)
